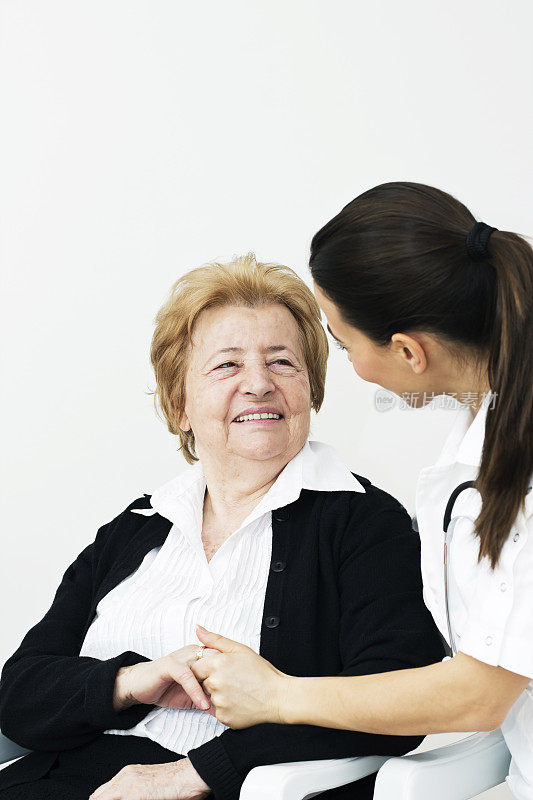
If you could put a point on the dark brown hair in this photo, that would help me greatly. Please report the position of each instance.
(395, 260)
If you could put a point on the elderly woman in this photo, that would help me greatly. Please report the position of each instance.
(267, 537)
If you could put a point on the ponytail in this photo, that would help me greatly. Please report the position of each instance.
(395, 259)
(507, 459)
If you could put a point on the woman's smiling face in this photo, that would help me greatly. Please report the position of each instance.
(244, 360)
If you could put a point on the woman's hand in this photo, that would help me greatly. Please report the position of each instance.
(177, 780)
(245, 688)
(167, 682)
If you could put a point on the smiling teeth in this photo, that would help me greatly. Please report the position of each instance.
(257, 416)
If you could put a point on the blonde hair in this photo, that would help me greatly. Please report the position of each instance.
(242, 282)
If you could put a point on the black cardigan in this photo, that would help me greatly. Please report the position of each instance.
(344, 597)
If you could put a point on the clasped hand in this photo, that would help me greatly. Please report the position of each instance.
(170, 683)
(230, 681)
(244, 688)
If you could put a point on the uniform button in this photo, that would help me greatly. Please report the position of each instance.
(281, 515)
(503, 587)
(272, 622)
(488, 641)
(278, 566)
(516, 537)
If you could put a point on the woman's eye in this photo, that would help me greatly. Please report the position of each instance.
(233, 364)
(339, 345)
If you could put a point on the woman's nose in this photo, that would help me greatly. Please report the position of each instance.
(256, 379)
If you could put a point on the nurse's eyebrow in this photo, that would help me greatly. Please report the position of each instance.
(336, 339)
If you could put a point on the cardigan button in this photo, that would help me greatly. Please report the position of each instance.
(278, 566)
(272, 622)
(281, 515)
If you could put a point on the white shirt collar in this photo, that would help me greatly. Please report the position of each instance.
(465, 440)
(316, 466)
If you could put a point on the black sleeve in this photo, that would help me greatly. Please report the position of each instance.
(384, 626)
(51, 698)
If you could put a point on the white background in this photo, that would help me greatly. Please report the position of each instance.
(140, 139)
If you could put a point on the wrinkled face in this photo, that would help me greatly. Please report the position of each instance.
(245, 361)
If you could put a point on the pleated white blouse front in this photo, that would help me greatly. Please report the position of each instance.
(154, 611)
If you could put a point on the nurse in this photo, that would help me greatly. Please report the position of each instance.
(428, 302)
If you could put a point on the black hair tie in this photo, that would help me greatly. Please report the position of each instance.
(476, 241)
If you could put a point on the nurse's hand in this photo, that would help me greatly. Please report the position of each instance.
(167, 682)
(244, 688)
(177, 780)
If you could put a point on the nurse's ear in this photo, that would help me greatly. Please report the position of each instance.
(412, 351)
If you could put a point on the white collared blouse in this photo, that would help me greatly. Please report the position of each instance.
(154, 611)
(491, 611)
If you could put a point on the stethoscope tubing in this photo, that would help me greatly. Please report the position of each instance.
(448, 530)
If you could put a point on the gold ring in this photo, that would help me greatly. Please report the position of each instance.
(200, 652)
